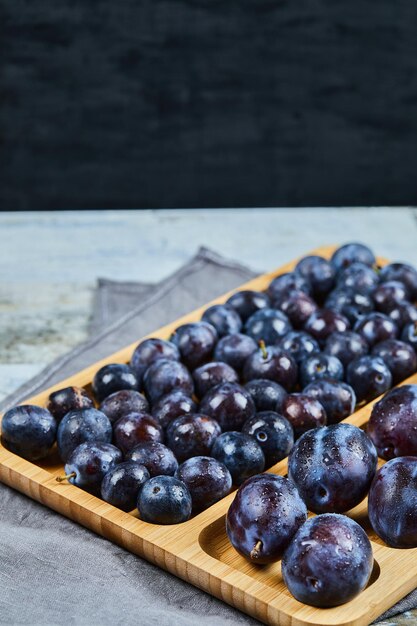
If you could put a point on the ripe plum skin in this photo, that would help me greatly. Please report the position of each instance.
(171, 406)
(405, 274)
(122, 402)
(358, 277)
(224, 318)
(90, 461)
(274, 434)
(241, 454)
(324, 322)
(297, 306)
(369, 376)
(328, 562)
(264, 516)
(207, 479)
(81, 426)
(284, 283)
(318, 272)
(299, 345)
(149, 351)
(303, 413)
(120, 486)
(155, 456)
(164, 500)
(68, 399)
(393, 423)
(337, 398)
(350, 303)
(192, 435)
(234, 350)
(399, 357)
(246, 302)
(29, 431)
(267, 395)
(196, 342)
(388, 295)
(392, 502)
(351, 253)
(135, 428)
(114, 377)
(165, 376)
(319, 366)
(268, 325)
(376, 327)
(333, 467)
(274, 364)
(229, 404)
(211, 374)
(346, 346)
(409, 334)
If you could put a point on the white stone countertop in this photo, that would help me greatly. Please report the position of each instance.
(50, 262)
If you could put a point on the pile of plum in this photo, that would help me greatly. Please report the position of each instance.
(263, 376)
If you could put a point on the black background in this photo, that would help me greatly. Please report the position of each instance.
(207, 103)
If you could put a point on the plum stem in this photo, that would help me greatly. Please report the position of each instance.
(61, 479)
(256, 550)
(263, 348)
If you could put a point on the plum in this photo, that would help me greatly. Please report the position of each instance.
(328, 562)
(337, 398)
(68, 399)
(149, 351)
(224, 318)
(158, 459)
(359, 277)
(318, 272)
(350, 303)
(346, 346)
(268, 325)
(267, 395)
(399, 357)
(29, 431)
(376, 327)
(234, 350)
(88, 463)
(229, 404)
(274, 434)
(192, 435)
(164, 500)
(121, 485)
(393, 423)
(165, 376)
(122, 402)
(241, 454)
(319, 366)
(171, 406)
(333, 467)
(211, 374)
(196, 342)
(273, 363)
(392, 502)
(265, 514)
(303, 413)
(324, 322)
(389, 295)
(81, 426)
(351, 253)
(135, 428)
(369, 376)
(299, 345)
(207, 479)
(246, 302)
(284, 283)
(403, 273)
(114, 377)
(297, 306)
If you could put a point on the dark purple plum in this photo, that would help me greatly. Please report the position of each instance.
(318, 367)
(122, 402)
(328, 562)
(333, 467)
(288, 282)
(376, 327)
(121, 485)
(337, 398)
(393, 423)
(369, 377)
(207, 479)
(241, 454)
(403, 273)
(272, 363)
(163, 377)
(274, 434)
(135, 428)
(196, 342)
(324, 322)
(234, 350)
(389, 295)
(409, 334)
(392, 502)
(28, 431)
(357, 277)
(319, 273)
(352, 253)
(171, 406)
(267, 325)
(346, 346)
(164, 500)
(85, 425)
(399, 357)
(303, 413)
(224, 318)
(114, 377)
(351, 304)
(149, 351)
(267, 395)
(211, 374)
(247, 302)
(229, 404)
(264, 516)
(403, 313)
(158, 459)
(299, 345)
(192, 435)
(68, 399)
(88, 463)
(297, 306)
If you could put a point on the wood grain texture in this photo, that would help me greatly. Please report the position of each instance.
(198, 550)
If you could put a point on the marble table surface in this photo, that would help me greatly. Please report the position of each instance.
(50, 262)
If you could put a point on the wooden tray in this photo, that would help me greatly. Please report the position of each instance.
(198, 550)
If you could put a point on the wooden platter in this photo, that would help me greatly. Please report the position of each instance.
(198, 551)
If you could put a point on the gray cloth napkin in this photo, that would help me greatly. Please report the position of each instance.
(53, 571)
